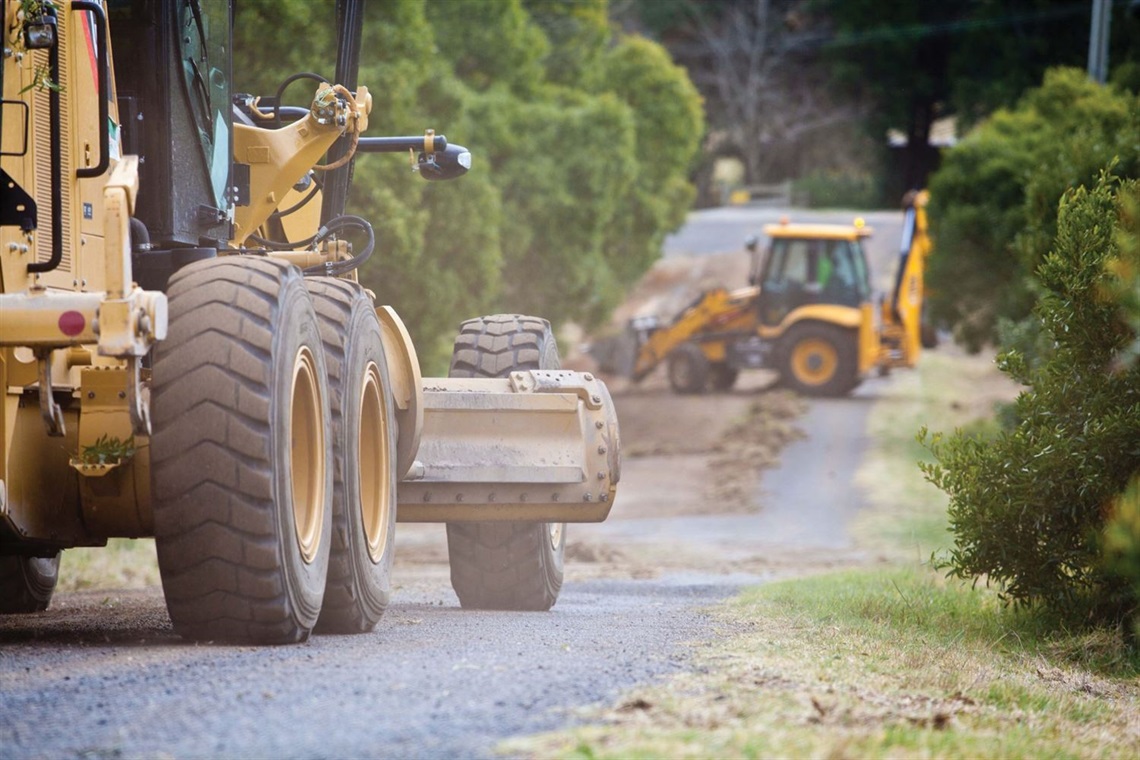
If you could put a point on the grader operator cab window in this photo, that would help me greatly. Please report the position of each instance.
(205, 63)
(173, 82)
(812, 271)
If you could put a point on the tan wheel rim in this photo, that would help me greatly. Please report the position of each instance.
(556, 534)
(374, 485)
(814, 361)
(307, 455)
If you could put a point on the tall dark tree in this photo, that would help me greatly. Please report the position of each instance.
(919, 61)
(767, 96)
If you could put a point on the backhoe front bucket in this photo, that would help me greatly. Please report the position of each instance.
(539, 445)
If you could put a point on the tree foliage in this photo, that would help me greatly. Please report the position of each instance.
(1029, 508)
(582, 140)
(992, 200)
(810, 87)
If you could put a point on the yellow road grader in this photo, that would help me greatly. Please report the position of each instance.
(186, 351)
(807, 313)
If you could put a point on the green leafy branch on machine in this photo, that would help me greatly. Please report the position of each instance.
(187, 353)
(807, 314)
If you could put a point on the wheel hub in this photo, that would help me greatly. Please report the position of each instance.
(814, 361)
(307, 455)
(375, 455)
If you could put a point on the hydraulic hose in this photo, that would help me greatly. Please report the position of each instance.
(288, 81)
(337, 268)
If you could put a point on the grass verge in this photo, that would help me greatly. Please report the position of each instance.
(894, 661)
(122, 563)
(907, 515)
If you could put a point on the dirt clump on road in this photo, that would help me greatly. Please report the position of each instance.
(751, 445)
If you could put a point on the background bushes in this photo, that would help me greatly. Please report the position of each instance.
(582, 139)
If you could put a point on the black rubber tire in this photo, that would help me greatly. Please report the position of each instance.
(505, 565)
(833, 349)
(359, 584)
(239, 397)
(928, 336)
(688, 369)
(722, 377)
(27, 583)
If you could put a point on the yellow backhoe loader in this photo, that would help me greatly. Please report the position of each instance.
(807, 313)
(186, 352)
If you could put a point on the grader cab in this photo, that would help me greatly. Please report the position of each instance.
(186, 351)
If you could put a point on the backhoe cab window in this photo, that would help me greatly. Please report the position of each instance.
(817, 271)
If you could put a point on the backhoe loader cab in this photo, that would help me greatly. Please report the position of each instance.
(186, 352)
(812, 264)
(814, 296)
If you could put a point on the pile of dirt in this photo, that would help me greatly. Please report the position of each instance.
(690, 454)
(751, 445)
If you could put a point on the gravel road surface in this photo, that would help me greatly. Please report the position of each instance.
(103, 676)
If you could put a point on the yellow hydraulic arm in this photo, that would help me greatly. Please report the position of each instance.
(902, 314)
(718, 308)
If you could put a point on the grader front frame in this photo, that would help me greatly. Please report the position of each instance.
(186, 352)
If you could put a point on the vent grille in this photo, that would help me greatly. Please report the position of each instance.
(42, 127)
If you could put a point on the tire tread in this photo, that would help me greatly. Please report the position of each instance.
(211, 401)
(495, 565)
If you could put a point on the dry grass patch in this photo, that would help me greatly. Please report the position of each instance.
(751, 445)
(899, 663)
(894, 662)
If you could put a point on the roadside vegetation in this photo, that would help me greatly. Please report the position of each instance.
(892, 660)
(993, 206)
(124, 563)
(1029, 507)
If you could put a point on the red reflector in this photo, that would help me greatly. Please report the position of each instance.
(72, 322)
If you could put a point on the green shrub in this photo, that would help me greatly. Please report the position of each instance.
(836, 190)
(1122, 535)
(993, 200)
(1028, 509)
(1122, 550)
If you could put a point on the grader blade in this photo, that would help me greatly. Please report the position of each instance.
(539, 445)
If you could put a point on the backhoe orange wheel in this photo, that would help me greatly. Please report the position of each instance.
(819, 360)
(364, 448)
(814, 361)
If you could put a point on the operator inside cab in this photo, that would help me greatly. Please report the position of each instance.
(801, 271)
